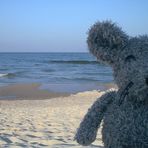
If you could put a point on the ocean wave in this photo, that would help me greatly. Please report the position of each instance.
(81, 79)
(3, 69)
(48, 70)
(9, 75)
(3, 74)
(73, 62)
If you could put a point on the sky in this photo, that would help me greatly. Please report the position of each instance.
(62, 25)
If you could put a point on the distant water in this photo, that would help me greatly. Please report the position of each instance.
(65, 69)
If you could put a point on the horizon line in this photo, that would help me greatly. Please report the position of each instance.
(43, 52)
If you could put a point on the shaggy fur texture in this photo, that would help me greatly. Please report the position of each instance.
(125, 112)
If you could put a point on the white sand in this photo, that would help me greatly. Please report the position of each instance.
(48, 123)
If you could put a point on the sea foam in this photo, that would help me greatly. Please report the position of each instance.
(7, 75)
(3, 74)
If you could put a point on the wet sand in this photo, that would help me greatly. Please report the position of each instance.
(40, 123)
(27, 91)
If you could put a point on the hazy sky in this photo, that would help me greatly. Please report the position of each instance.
(61, 25)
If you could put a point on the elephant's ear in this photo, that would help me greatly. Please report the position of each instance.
(106, 40)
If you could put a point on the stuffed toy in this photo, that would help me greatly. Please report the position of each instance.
(124, 113)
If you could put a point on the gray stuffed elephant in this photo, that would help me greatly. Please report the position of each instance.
(123, 113)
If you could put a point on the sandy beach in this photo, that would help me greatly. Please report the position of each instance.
(44, 122)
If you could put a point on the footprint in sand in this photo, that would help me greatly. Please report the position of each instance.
(7, 140)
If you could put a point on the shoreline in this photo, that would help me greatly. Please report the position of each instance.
(36, 91)
(30, 91)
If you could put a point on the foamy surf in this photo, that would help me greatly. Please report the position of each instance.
(3, 74)
(7, 75)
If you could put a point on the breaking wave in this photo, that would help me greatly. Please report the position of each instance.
(9, 75)
(73, 62)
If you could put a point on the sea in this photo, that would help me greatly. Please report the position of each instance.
(57, 72)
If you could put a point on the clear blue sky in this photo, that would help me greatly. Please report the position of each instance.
(61, 25)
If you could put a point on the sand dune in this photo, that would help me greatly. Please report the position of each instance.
(44, 123)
